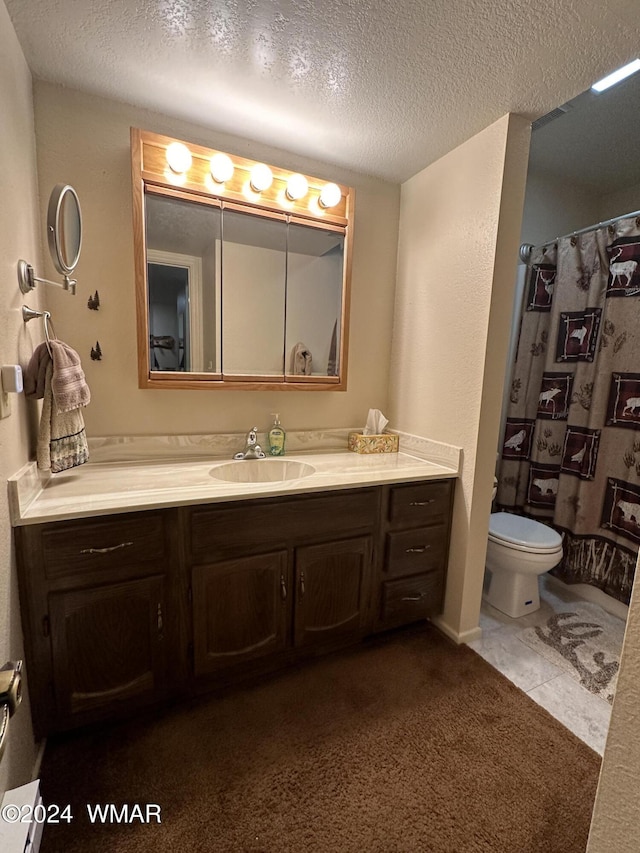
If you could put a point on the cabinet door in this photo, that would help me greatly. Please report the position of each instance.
(107, 645)
(239, 610)
(331, 583)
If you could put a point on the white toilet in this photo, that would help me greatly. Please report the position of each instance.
(518, 551)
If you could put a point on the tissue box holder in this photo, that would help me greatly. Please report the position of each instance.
(360, 443)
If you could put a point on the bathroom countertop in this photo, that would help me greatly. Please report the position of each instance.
(109, 487)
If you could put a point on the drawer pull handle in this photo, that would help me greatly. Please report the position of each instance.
(301, 584)
(419, 550)
(417, 597)
(422, 503)
(283, 588)
(106, 550)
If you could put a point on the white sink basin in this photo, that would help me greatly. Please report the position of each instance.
(261, 471)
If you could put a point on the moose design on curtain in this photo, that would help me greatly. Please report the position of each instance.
(571, 450)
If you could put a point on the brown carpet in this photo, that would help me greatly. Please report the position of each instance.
(402, 745)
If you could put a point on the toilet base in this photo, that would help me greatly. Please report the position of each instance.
(512, 593)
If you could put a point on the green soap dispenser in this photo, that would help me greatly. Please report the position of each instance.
(276, 437)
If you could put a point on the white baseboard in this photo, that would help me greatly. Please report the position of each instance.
(459, 637)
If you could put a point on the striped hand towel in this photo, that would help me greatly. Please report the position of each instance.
(62, 440)
(69, 387)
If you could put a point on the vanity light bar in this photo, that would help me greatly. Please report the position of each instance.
(240, 179)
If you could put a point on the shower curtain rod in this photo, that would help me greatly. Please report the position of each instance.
(526, 248)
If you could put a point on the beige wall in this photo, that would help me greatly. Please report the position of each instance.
(18, 239)
(457, 256)
(84, 140)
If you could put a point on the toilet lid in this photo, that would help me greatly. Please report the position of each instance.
(524, 532)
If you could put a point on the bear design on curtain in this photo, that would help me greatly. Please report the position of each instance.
(571, 450)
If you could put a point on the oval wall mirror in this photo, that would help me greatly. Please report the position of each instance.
(64, 228)
(64, 232)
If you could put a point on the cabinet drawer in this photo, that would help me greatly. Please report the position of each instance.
(412, 552)
(419, 504)
(218, 532)
(411, 598)
(115, 543)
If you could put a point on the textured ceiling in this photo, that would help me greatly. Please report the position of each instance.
(380, 87)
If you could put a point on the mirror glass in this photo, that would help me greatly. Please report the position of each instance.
(583, 168)
(64, 228)
(253, 288)
(183, 275)
(314, 301)
(241, 294)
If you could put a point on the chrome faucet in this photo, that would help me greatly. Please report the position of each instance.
(252, 449)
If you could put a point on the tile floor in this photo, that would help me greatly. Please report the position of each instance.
(579, 710)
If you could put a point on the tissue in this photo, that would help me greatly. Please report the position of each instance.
(376, 422)
(371, 439)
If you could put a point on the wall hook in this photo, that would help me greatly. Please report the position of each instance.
(96, 352)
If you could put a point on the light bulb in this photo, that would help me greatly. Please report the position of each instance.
(179, 157)
(330, 195)
(221, 168)
(261, 178)
(297, 187)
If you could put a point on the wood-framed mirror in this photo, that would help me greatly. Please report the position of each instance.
(242, 271)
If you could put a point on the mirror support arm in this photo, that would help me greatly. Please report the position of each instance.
(27, 280)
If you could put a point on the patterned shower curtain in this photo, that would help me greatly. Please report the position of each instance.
(571, 450)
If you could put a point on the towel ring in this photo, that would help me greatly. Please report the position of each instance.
(49, 331)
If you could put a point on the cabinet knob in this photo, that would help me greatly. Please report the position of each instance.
(106, 550)
(419, 550)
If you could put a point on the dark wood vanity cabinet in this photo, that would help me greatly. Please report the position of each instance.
(279, 575)
(415, 546)
(99, 635)
(253, 607)
(121, 611)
